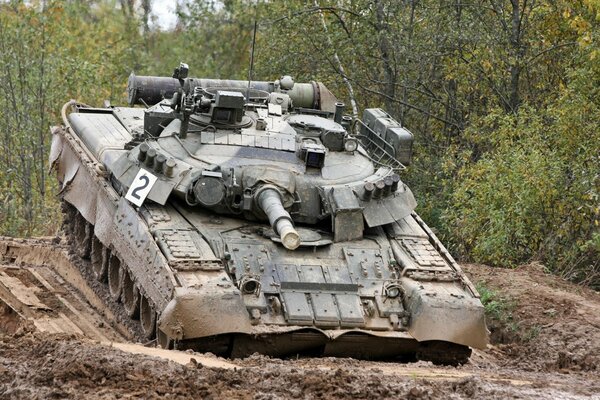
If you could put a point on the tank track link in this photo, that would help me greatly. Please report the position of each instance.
(108, 276)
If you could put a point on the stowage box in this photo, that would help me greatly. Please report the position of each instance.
(390, 130)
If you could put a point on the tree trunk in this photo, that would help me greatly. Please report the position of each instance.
(515, 67)
(389, 74)
(146, 8)
(341, 70)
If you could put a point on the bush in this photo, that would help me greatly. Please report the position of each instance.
(534, 193)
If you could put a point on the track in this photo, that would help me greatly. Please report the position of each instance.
(108, 276)
(42, 292)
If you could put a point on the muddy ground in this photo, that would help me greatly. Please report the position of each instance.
(545, 334)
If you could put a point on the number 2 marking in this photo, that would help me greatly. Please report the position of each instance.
(140, 187)
(134, 192)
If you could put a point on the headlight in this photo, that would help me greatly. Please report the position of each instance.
(350, 144)
(249, 285)
(393, 290)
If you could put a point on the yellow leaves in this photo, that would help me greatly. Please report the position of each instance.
(487, 65)
(579, 24)
(57, 13)
(592, 5)
(585, 39)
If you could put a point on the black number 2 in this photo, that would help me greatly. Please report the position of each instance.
(144, 185)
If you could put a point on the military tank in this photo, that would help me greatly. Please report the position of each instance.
(240, 217)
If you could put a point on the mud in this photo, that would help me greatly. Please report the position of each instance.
(546, 345)
(550, 324)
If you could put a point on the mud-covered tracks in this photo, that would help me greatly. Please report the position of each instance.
(106, 266)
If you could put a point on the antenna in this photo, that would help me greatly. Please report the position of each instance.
(251, 70)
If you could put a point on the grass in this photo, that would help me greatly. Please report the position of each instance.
(532, 333)
(496, 306)
(499, 315)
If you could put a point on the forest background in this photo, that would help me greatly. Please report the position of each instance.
(502, 96)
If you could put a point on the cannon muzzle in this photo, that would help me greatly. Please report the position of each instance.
(269, 200)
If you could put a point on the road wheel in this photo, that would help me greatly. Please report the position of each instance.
(147, 318)
(130, 295)
(99, 259)
(114, 277)
(84, 231)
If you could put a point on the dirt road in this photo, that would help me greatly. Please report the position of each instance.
(58, 342)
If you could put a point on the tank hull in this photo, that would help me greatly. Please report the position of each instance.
(188, 267)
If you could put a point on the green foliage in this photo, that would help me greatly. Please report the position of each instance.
(214, 38)
(534, 193)
(499, 313)
(26, 79)
(500, 200)
(496, 307)
(51, 51)
(532, 333)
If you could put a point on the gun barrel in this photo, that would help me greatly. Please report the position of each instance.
(269, 200)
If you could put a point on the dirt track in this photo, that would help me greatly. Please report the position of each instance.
(546, 345)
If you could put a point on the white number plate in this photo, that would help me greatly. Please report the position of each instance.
(140, 187)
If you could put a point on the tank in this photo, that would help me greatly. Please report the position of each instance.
(245, 217)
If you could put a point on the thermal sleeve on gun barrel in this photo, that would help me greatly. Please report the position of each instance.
(269, 200)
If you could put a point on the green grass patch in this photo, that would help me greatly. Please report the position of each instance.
(499, 314)
(496, 306)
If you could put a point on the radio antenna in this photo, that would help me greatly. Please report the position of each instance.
(251, 70)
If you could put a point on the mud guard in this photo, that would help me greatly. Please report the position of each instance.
(445, 315)
(219, 310)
